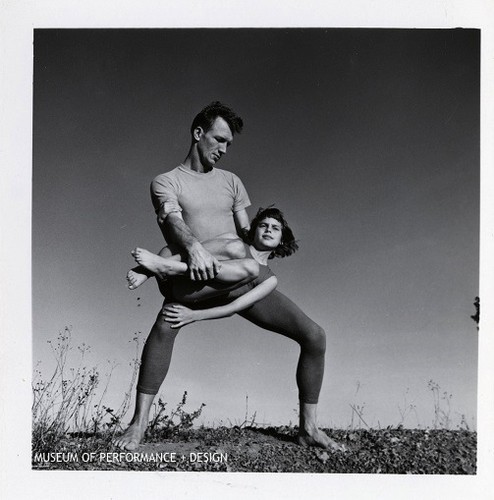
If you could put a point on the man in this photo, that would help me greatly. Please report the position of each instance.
(196, 202)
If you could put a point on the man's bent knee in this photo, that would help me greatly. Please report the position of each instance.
(315, 339)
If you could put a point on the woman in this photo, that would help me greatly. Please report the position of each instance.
(243, 279)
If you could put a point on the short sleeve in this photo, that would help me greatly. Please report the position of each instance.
(164, 195)
(241, 199)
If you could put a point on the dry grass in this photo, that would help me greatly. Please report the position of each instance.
(69, 403)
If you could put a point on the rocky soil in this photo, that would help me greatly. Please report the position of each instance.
(235, 449)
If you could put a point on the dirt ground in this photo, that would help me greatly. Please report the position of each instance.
(234, 449)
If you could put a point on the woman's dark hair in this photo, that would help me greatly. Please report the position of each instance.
(207, 116)
(288, 244)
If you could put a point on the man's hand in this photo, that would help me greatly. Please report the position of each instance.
(202, 265)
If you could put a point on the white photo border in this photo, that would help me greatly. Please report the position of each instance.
(17, 22)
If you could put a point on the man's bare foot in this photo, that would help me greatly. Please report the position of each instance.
(135, 280)
(309, 434)
(131, 438)
(316, 437)
(158, 265)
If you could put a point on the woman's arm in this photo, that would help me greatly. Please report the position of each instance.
(178, 315)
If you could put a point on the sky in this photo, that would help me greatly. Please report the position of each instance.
(367, 139)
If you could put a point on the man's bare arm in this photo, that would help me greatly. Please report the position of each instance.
(242, 224)
(202, 264)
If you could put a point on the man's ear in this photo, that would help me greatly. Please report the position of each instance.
(198, 131)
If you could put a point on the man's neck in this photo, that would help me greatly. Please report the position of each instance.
(193, 162)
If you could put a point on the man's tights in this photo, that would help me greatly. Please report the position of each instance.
(276, 313)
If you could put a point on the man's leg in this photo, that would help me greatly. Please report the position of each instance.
(279, 314)
(157, 352)
(155, 361)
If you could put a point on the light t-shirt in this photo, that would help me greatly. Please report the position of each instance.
(207, 201)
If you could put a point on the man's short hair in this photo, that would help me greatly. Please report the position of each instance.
(207, 116)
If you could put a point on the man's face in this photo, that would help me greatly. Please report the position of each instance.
(212, 144)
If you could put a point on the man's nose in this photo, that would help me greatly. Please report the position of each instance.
(222, 149)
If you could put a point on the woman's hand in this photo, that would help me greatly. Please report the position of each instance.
(179, 316)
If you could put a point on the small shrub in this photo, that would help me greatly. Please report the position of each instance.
(442, 406)
(177, 422)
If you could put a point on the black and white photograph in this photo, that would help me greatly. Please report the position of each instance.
(256, 249)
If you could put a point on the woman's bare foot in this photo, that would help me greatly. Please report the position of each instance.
(158, 265)
(131, 438)
(135, 279)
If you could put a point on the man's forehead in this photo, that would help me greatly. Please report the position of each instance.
(220, 126)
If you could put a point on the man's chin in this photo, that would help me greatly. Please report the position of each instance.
(207, 165)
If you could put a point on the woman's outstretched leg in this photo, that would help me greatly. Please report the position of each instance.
(232, 275)
(224, 247)
(230, 250)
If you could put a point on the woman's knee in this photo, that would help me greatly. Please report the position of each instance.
(252, 268)
(227, 236)
(235, 249)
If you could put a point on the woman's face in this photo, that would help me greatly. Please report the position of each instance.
(268, 234)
